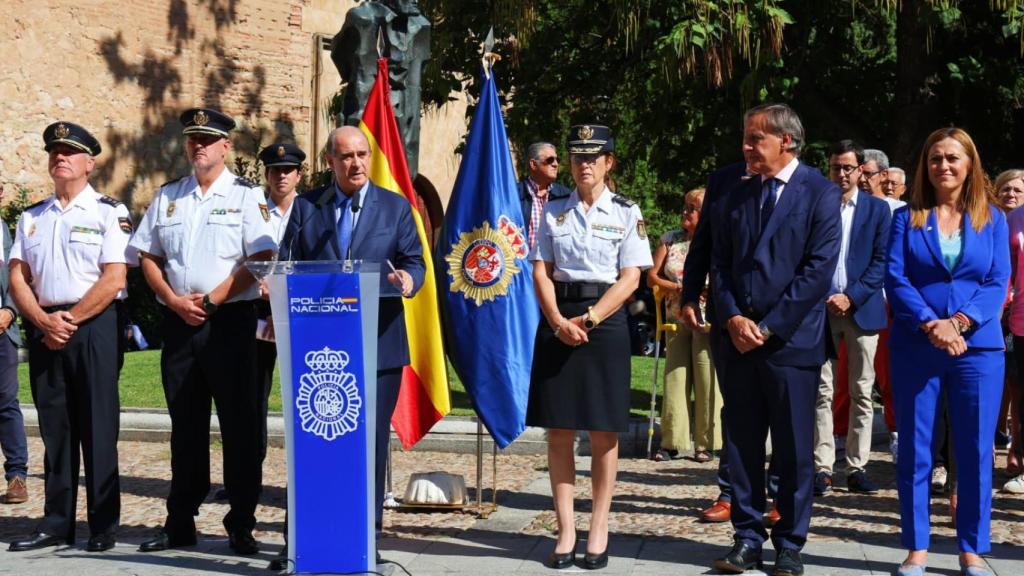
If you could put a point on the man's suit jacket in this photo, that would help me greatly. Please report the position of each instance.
(526, 199)
(779, 277)
(865, 261)
(385, 231)
(922, 288)
(6, 301)
(698, 257)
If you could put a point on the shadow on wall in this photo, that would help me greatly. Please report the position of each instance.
(156, 146)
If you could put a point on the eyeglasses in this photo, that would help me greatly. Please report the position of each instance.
(549, 160)
(584, 158)
(844, 168)
(871, 173)
(690, 208)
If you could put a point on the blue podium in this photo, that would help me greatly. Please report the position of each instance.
(325, 324)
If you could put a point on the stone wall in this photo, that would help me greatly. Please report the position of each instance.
(125, 70)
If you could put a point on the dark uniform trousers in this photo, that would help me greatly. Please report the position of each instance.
(75, 393)
(266, 359)
(215, 360)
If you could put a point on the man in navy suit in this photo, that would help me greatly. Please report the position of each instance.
(856, 313)
(354, 219)
(536, 189)
(773, 255)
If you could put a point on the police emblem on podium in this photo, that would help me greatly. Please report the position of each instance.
(328, 399)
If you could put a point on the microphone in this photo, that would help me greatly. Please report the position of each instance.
(355, 210)
(324, 198)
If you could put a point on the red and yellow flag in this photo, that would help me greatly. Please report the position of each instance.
(423, 399)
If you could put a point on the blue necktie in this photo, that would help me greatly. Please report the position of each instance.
(345, 226)
(768, 199)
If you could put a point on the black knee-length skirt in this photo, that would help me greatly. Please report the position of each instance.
(584, 387)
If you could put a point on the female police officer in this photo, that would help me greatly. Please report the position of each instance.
(589, 253)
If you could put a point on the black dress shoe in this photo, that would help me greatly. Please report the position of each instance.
(562, 561)
(280, 562)
(595, 561)
(741, 558)
(243, 543)
(34, 542)
(164, 541)
(220, 494)
(788, 563)
(101, 542)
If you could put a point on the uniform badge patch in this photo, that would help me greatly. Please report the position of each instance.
(32, 229)
(586, 132)
(170, 208)
(61, 131)
(561, 218)
(200, 119)
(280, 152)
(265, 212)
(125, 224)
(641, 230)
(481, 265)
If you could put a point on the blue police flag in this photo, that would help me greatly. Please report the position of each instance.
(490, 309)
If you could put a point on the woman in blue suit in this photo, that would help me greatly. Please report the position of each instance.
(946, 279)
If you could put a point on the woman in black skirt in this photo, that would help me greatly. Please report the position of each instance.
(589, 254)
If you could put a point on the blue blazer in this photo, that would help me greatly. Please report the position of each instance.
(385, 231)
(779, 277)
(865, 261)
(698, 256)
(526, 200)
(922, 288)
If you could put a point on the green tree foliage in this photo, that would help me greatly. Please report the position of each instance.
(672, 78)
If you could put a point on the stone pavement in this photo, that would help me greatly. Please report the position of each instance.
(653, 524)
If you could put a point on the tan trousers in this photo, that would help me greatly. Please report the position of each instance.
(860, 350)
(688, 371)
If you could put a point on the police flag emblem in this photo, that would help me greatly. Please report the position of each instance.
(483, 262)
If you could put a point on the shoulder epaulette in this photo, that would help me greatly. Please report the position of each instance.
(40, 203)
(110, 201)
(169, 182)
(623, 201)
(239, 181)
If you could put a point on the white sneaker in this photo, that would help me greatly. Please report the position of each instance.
(1015, 485)
(894, 446)
(939, 477)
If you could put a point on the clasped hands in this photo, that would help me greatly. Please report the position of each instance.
(57, 328)
(744, 333)
(570, 331)
(839, 305)
(944, 335)
(690, 314)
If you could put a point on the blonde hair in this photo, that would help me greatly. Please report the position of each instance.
(695, 195)
(976, 194)
(1007, 176)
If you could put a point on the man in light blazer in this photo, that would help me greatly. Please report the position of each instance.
(856, 314)
(773, 257)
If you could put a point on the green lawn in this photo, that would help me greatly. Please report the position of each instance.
(140, 385)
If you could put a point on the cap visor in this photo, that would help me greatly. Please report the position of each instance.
(204, 130)
(73, 143)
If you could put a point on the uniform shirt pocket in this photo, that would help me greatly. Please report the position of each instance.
(224, 236)
(604, 248)
(171, 234)
(563, 245)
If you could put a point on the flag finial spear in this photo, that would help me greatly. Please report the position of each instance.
(489, 57)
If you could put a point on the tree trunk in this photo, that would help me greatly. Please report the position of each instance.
(914, 66)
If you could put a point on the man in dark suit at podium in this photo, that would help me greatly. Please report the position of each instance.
(354, 219)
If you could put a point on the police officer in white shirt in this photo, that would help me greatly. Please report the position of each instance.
(193, 243)
(67, 267)
(282, 163)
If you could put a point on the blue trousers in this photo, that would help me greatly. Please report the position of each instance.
(12, 426)
(762, 396)
(973, 387)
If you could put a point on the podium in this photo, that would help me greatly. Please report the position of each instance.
(325, 324)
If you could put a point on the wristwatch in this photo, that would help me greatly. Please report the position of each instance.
(591, 320)
(208, 306)
(765, 331)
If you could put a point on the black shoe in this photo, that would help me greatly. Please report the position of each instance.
(221, 494)
(741, 558)
(34, 542)
(280, 562)
(822, 483)
(788, 563)
(859, 483)
(560, 561)
(243, 543)
(595, 561)
(100, 542)
(163, 541)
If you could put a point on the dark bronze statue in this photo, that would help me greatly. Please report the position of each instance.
(405, 36)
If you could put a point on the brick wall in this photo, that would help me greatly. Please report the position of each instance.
(126, 69)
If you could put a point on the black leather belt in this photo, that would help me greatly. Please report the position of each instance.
(63, 307)
(580, 290)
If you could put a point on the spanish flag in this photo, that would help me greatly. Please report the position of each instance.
(423, 399)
